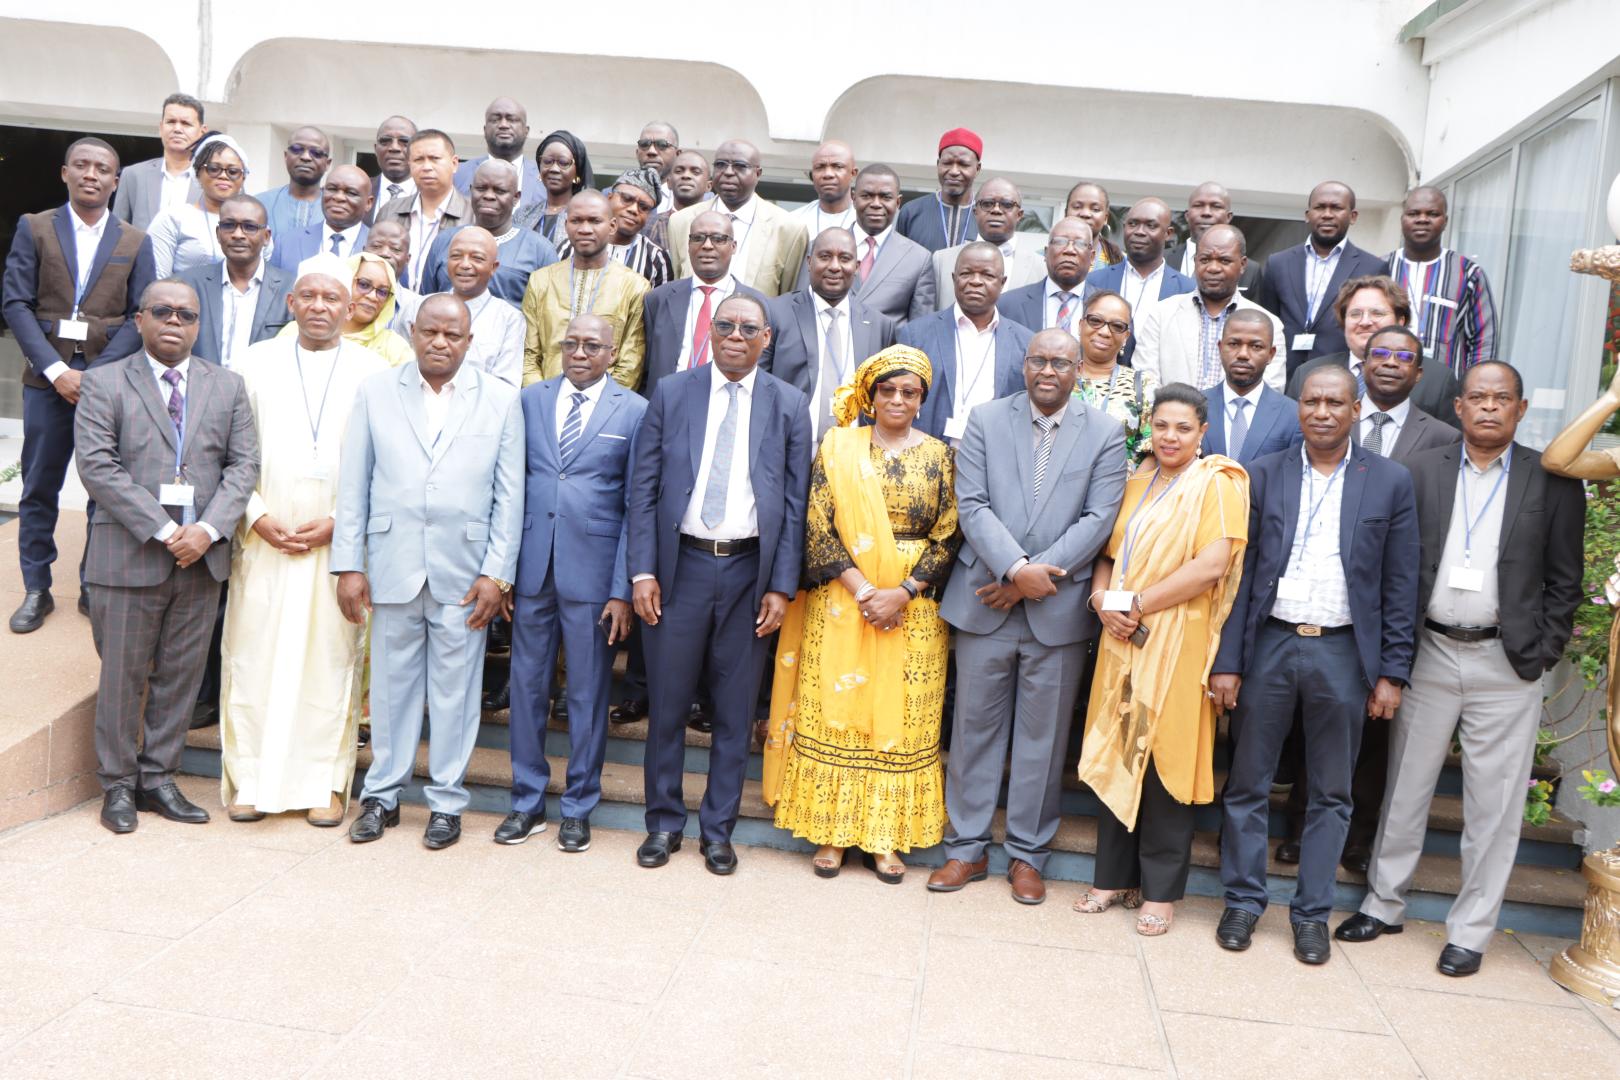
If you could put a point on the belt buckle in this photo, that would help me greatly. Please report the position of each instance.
(716, 545)
(1308, 630)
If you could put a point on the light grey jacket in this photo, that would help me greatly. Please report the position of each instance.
(140, 192)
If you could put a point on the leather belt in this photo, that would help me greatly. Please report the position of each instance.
(1464, 633)
(721, 547)
(1311, 629)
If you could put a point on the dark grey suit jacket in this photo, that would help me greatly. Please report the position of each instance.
(270, 312)
(794, 354)
(896, 285)
(1436, 393)
(140, 192)
(1420, 432)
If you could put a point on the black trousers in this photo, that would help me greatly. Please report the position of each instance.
(1157, 855)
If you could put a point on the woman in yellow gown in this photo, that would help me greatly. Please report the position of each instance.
(852, 754)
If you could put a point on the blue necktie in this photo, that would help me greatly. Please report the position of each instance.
(337, 241)
(1240, 429)
(573, 427)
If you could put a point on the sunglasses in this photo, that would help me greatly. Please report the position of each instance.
(229, 172)
(250, 228)
(1097, 322)
(1405, 356)
(654, 144)
(998, 204)
(300, 150)
(725, 328)
(703, 239)
(163, 313)
(592, 349)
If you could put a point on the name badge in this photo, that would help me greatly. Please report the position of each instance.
(179, 495)
(1461, 577)
(955, 428)
(1294, 590)
(1303, 342)
(1441, 300)
(317, 470)
(73, 330)
(1117, 600)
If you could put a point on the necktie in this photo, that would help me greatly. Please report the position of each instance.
(1240, 429)
(1375, 441)
(177, 402)
(868, 259)
(1043, 452)
(700, 329)
(573, 427)
(394, 191)
(1065, 310)
(832, 371)
(337, 241)
(714, 493)
(1361, 382)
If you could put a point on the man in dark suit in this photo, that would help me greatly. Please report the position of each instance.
(1143, 277)
(392, 147)
(716, 526)
(977, 355)
(1300, 282)
(506, 128)
(677, 315)
(148, 187)
(1209, 205)
(345, 207)
(894, 270)
(1056, 301)
(572, 589)
(168, 450)
(821, 334)
(1247, 418)
(243, 298)
(73, 280)
(1499, 583)
(1391, 423)
(1300, 637)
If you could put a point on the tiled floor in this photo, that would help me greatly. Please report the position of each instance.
(275, 949)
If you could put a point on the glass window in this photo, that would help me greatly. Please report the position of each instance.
(1479, 228)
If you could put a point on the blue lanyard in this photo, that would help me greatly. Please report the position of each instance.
(1470, 523)
(1316, 503)
(572, 291)
(944, 224)
(1133, 531)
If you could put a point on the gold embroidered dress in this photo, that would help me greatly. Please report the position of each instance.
(558, 292)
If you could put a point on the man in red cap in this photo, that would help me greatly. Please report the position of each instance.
(946, 220)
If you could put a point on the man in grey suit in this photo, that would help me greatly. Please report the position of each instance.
(243, 299)
(891, 267)
(1039, 479)
(429, 517)
(998, 209)
(147, 187)
(168, 450)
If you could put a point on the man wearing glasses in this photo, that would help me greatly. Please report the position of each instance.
(392, 147)
(243, 299)
(1056, 302)
(658, 146)
(997, 212)
(296, 205)
(770, 242)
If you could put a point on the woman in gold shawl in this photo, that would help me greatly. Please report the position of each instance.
(1170, 572)
(371, 309)
(852, 754)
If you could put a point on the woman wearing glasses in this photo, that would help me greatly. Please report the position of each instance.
(185, 236)
(565, 171)
(1103, 383)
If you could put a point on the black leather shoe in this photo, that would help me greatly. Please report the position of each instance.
(1356, 858)
(30, 614)
(627, 711)
(698, 720)
(500, 637)
(118, 809)
(442, 831)
(499, 698)
(373, 819)
(1311, 944)
(718, 857)
(518, 826)
(166, 801)
(1361, 927)
(1457, 961)
(205, 714)
(1235, 931)
(1288, 852)
(84, 605)
(657, 848)
(574, 835)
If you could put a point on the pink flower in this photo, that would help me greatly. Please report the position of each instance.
(1600, 600)
(1607, 786)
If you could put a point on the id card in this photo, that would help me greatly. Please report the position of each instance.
(316, 469)
(1442, 301)
(178, 495)
(1117, 600)
(1303, 342)
(1294, 590)
(955, 428)
(1465, 579)
(73, 330)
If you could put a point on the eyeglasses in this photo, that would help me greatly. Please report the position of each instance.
(556, 163)
(393, 140)
(229, 172)
(703, 239)
(362, 287)
(250, 228)
(163, 313)
(1405, 356)
(722, 165)
(1355, 315)
(1115, 326)
(300, 150)
(592, 349)
(1055, 244)
(1041, 363)
(725, 328)
(998, 204)
(654, 144)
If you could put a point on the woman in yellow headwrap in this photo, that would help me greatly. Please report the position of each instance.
(371, 309)
(852, 755)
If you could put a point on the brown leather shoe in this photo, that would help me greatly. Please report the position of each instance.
(328, 816)
(1027, 886)
(955, 874)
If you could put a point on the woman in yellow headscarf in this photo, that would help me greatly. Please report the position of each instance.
(371, 309)
(852, 755)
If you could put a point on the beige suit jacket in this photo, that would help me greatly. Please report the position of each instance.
(775, 246)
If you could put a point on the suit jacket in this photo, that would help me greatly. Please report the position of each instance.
(935, 335)
(1540, 556)
(1026, 267)
(1273, 427)
(125, 446)
(920, 222)
(292, 250)
(379, 198)
(1168, 340)
(414, 511)
(794, 354)
(1253, 273)
(533, 190)
(663, 314)
(1435, 393)
(775, 253)
(1378, 546)
(456, 211)
(1002, 522)
(1420, 432)
(140, 192)
(669, 452)
(1112, 278)
(1026, 305)
(1282, 292)
(896, 286)
(270, 311)
(574, 507)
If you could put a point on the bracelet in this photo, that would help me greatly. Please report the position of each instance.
(909, 587)
(1091, 601)
(867, 589)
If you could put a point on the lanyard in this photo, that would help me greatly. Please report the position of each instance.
(1318, 274)
(944, 224)
(1316, 503)
(1133, 531)
(573, 290)
(987, 360)
(314, 421)
(1470, 523)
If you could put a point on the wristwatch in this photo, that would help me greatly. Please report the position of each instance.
(504, 586)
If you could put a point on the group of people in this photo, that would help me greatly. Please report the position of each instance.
(829, 474)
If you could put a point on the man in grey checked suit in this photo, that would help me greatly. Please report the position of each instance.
(168, 450)
(1039, 478)
(429, 518)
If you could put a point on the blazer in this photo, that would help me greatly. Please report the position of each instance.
(1273, 427)
(1002, 522)
(794, 354)
(1112, 278)
(456, 211)
(1420, 432)
(669, 452)
(935, 335)
(270, 311)
(1026, 305)
(1168, 339)
(124, 443)
(294, 249)
(895, 285)
(1378, 545)
(1435, 393)
(663, 315)
(533, 190)
(1541, 550)
(413, 511)
(776, 246)
(379, 197)
(1282, 292)
(1250, 280)
(574, 507)
(140, 192)
(1026, 267)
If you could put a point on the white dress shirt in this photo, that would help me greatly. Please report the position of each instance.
(1229, 400)
(169, 528)
(86, 240)
(565, 402)
(722, 289)
(437, 404)
(497, 338)
(424, 228)
(816, 220)
(176, 187)
(1054, 304)
(975, 381)
(742, 517)
(407, 190)
(846, 351)
(1315, 559)
(1392, 430)
(1189, 259)
(1318, 272)
(1475, 549)
(1142, 293)
(236, 310)
(349, 245)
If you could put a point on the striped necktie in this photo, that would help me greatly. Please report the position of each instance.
(573, 427)
(1043, 452)
(1065, 311)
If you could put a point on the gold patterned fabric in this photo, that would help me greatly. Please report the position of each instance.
(556, 293)
(836, 776)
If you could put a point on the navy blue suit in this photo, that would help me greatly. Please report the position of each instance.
(1026, 306)
(1273, 427)
(1112, 278)
(664, 318)
(936, 335)
(571, 562)
(1282, 292)
(710, 602)
(295, 248)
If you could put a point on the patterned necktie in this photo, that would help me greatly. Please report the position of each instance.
(868, 259)
(1043, 451)
(714, 493)
(1240, 429)
(700, 328)
(1375, 441)
(573, 427)
(1361, 382)
(832, 371)
(1065, 311)
(394, 191)
(337, 241)
(177, 402)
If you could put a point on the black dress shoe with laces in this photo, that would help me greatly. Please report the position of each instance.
(698, 720)
(657, 848)
(1311, 944)
(1288, 852)
(1357, 858)
(574, 835)
(442, 831)
(166, 801)
(718, 857)
(84, 604)
(628, 711)
(499, 698)
(1363, 927)
(1457, 961)
(373, 819)
(118, 808)
(30, 614)
(518, 827)
(1235, 931)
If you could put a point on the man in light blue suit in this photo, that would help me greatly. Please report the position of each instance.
(506, 128)
(1247, 418)
(430, 508)
(1143, 277)
(572, 587)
